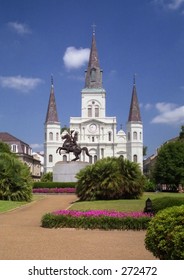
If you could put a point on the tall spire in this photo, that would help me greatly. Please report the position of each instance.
(134, 113)
(94, 73)
(52, 116)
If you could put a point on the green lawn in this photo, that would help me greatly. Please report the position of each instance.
(121, 205)
(9, 205)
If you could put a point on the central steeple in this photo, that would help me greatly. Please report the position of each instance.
(93, 73)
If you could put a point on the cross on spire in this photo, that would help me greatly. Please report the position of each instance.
(52, 80)
(134, 78)
(93, 27)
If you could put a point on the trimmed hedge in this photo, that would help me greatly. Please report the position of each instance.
(164, 202)
(39, 185)
(51, 220)
(165, 234)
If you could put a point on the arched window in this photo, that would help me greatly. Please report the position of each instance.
(135, 135)
(90, 159)
(89, 111)
(128, 136)
(102, 152)
(135, 158)
(109, 136)
(50, 158)
(95, 158)
(50, 136)
(96, 111)
(140, 135)
(57, 136)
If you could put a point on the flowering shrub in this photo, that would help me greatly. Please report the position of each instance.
(99, 213)
(99, 219)
(54, 190)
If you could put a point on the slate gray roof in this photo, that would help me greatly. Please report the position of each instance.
(134, 113)
(52, 116)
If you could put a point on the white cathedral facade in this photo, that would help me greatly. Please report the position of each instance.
(94, 129)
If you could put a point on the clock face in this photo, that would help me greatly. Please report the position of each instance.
(92, 127)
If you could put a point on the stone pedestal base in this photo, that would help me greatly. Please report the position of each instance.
(66, 171)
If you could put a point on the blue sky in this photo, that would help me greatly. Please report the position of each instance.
(42, 37)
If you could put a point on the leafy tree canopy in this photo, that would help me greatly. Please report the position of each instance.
(4, 148)
(169, 166)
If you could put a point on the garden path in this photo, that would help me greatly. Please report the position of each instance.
(22, 237)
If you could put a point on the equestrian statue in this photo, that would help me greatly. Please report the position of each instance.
(70, 145)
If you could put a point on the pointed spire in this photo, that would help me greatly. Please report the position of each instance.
(94, 73)
(134, 113)
(52, 116)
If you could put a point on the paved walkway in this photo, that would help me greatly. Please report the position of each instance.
(22, 237)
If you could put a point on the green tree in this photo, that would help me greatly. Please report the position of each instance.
(4, 148)
(145, 148)
(15, 178)
(181, 135)
(65, 128)
(47, 177)
(169, 166)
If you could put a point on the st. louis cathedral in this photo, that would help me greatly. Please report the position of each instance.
(94, 129)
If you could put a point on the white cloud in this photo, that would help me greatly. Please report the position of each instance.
(19, 28)
(75, 58)
(20, 83)
(175, 4)
(36, 146)
(148, 106)
(170, 4)
(169, 113)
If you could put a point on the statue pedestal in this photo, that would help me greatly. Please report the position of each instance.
(66, 171)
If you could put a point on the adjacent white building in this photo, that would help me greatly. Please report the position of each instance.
(95, 130)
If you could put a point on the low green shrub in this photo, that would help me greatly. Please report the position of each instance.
(110, 178)
(51, 220)
(164, 202)
(39, 185)
(15, 179)
(165, 234)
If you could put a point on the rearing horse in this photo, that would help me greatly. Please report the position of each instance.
(70, 146)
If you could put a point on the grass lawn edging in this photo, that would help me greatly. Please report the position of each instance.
(105, 220)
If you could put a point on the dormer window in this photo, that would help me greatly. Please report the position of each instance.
(14, 148)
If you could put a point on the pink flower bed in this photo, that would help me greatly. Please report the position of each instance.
(54, 190)
(99, 213)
